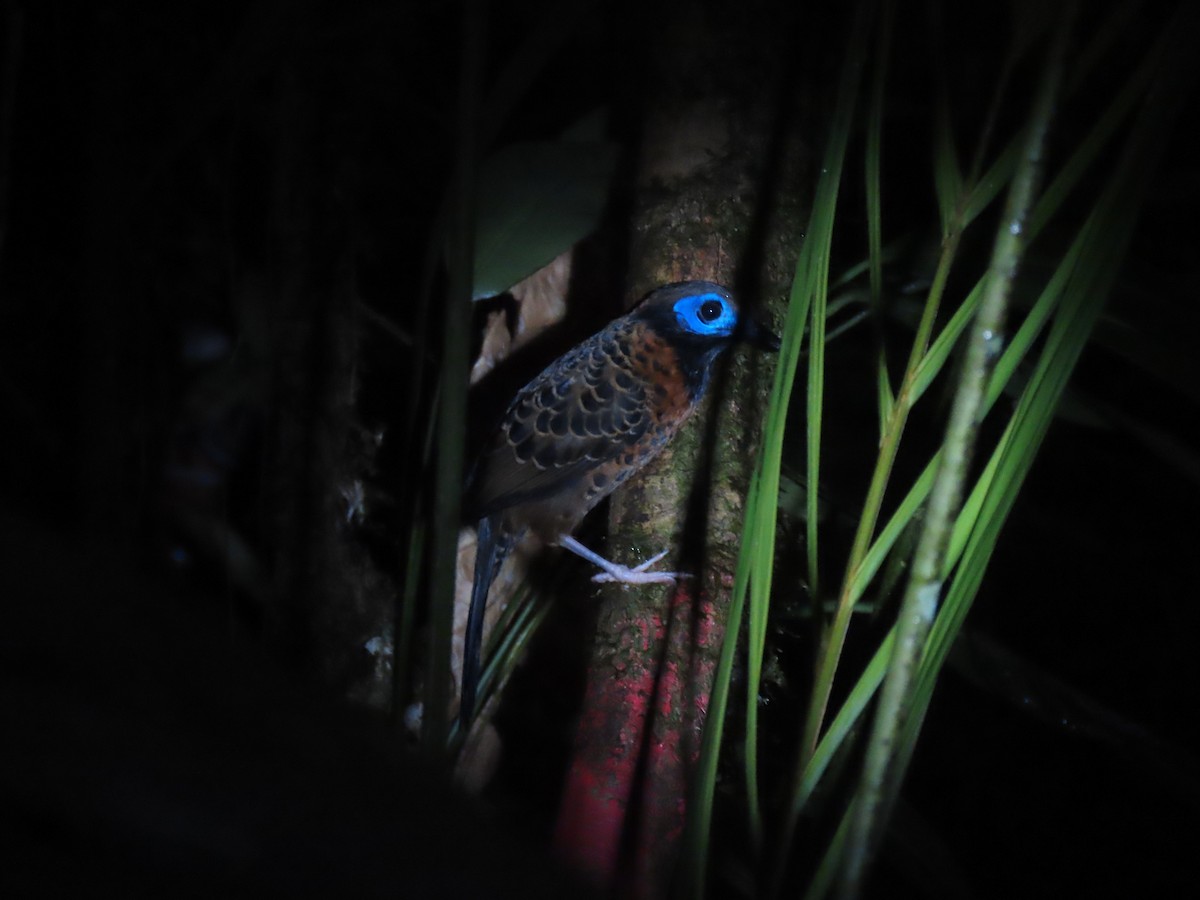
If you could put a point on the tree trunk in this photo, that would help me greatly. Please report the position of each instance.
(718, 198)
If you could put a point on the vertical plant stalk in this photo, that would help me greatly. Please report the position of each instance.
(953, 197)
(1175, 35)
(511, 84)
(835, 637)
(1082, 280)
(452, 410)
(881, 777)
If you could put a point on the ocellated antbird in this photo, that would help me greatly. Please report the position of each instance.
(588, 422)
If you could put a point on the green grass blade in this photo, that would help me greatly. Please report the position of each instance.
(874, 196)
(811, 281)
(879, 782)
(452, 411)
(947, 176)
(1092, 268)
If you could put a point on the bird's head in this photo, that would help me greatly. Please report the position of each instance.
(700, 319)
(703, 313)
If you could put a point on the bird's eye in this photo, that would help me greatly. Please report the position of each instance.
(706, 315)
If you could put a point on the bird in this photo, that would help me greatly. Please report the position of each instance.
(590, 421)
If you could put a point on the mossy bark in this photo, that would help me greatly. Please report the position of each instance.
(720, 191)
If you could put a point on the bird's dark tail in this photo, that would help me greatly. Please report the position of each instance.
(491, 549)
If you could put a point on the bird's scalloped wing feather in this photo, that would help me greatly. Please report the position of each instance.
(585, 410)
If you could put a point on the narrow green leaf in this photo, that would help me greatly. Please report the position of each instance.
(947, 175)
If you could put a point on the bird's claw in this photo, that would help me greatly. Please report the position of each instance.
(619, 574)
(615, 572)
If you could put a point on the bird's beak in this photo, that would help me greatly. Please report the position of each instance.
(759, 335)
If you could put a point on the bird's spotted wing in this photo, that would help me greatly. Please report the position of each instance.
(586, 411)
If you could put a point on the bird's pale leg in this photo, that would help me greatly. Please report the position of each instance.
(615, 571)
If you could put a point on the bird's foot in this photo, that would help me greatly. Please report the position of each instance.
(617, 573)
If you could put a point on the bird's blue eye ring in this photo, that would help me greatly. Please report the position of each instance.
(706, 314)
